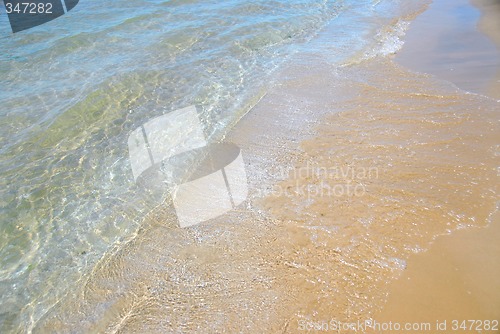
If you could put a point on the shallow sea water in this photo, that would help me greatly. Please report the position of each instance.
(72, 92)
(348, 172)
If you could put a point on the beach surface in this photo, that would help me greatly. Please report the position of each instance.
(454, 282)
(456, 279)
(457, 42)
(372, 186)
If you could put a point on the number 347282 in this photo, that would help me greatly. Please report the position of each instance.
(29, 8)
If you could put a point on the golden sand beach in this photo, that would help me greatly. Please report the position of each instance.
(455, 283)
(372, 192)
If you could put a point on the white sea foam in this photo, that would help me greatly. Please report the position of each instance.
(389, 40)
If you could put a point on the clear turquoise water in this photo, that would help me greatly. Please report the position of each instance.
(73, 89)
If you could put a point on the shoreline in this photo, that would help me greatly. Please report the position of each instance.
(489, 24)
(432, 272)
(281, 260)
(409, 130)
(456, 41)
(455, 279)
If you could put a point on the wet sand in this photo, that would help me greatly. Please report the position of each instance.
(434, 152)
(489, 24)
(444, 41)
(352, 177)
(457, 278)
